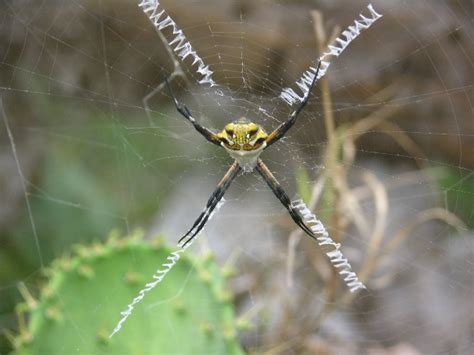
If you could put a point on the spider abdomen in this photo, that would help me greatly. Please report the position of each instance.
(244, 141)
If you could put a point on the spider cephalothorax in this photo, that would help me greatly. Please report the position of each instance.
(244, 141)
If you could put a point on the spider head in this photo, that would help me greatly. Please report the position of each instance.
(244, 141)
(243, 135)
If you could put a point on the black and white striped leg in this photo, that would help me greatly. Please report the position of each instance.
(182, 109)
(273, 183)
(211, 204)
(281, 130)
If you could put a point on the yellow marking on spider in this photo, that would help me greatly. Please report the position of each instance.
(242, 135)
(244, 141)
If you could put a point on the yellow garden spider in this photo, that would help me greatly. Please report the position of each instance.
(244, 141)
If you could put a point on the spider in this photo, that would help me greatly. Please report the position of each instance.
(244, 141)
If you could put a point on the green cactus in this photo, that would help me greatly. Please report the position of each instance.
(188, 313)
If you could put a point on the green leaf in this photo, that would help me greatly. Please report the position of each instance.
(303, 184)
(81, 303)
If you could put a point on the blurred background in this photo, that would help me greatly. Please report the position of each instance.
(384, 154)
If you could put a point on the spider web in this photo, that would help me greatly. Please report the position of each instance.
(91, 142)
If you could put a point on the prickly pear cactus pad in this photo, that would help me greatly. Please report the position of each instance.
(189, 313)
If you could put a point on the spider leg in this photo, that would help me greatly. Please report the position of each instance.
(278, 133)
(211, 204)
(275, 186)
(183, 110)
